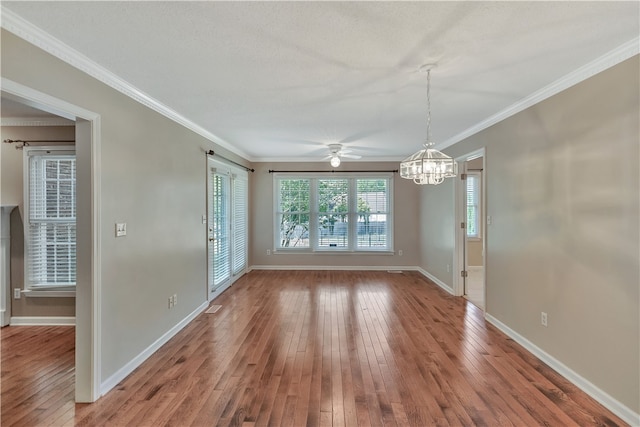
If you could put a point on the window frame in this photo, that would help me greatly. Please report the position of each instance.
(29, 153)
(352, 213)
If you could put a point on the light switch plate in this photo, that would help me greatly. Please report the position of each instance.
(121, 229)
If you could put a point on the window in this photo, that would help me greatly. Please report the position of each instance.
(51, 218)
(473, 205)
(293, 213)
(343, 213)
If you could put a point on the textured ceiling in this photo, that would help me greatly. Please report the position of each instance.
(280, 80)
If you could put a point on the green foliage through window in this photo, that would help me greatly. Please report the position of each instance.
(333, 213)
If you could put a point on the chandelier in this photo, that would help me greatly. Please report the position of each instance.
(428, 166)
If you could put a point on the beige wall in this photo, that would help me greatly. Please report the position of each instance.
(563, 191)
(13, 194)
(153, 177)
(437, 230)
(405, 196)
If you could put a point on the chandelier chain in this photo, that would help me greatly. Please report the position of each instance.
(429, 143)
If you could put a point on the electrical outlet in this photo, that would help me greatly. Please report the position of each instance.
(121, 229)
(400, 253)
(17, 293)
(543, 318)
(268, 251)
(175, 299)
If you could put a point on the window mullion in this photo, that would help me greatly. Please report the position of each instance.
(353, 214)
(313, 214)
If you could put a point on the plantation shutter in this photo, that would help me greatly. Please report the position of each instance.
(221, 229)
(51, 240)
(240, 219)
(472, 205)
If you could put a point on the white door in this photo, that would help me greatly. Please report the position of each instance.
(219, 229)
(474, 288)
(227, 226)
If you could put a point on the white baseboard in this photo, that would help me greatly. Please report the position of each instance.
(42, 321)
(5, 319)
(583, 384)
(123, 372)
(435, 280)
(336, 267)
(425, 273)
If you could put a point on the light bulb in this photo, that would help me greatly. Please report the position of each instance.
(335, 161)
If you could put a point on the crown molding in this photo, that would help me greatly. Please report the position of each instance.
(45, 41)
(321, 160)
(608, 60)
(35, 121)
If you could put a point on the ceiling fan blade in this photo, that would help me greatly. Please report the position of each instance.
(351, 156)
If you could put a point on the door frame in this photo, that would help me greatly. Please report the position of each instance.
(88, 286)
(459, 259)
(212, 166)
(232, 172)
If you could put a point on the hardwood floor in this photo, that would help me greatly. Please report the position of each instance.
(315, 348)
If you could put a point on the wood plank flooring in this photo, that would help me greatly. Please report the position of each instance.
(308, 348)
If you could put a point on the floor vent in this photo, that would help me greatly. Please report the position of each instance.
(213, 309)
(394, 271)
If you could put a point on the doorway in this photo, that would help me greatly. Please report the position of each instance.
(87, 290)
(227, 225)
(471, 235)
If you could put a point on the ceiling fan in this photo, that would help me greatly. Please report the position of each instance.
(336, 152)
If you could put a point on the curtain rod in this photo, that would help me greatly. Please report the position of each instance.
(334, 171)
(212, 153)
(27, 143)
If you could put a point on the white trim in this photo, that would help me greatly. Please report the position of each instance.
(35, 293)
(583, 384)
(35, 121)
(336, 267)
(96, 259)
(45, 41)
(123, 372)
(42, 100)
(608, 60)
(343, 161)
(70, 111)
(437, 281)
(460, 216)
(389, 268)
(43, 321)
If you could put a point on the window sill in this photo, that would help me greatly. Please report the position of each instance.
(329, 252)
(34, 293)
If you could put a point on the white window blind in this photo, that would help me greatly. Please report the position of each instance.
(51, 240)
(293, 212)
(240, 220)
(373, 213)
(221, 230)
(473, 205)
(333, 213)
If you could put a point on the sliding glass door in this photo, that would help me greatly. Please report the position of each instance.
(226, 225)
